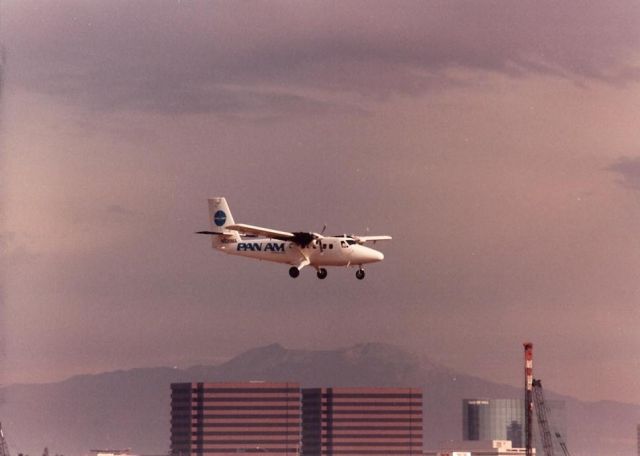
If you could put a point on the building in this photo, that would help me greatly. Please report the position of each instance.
(493, 419)
(361, 421)
(281, 419)
(503, 419)
(107, 452)
(234, 418)
(478, 448)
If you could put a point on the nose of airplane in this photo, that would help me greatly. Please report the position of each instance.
(373, 255)
(362, 255)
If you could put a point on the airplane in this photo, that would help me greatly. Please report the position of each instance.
(298, 249)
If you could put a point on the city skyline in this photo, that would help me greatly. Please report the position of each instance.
(496, 142)
(44, 414)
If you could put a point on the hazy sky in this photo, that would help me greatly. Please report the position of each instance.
(498, 142)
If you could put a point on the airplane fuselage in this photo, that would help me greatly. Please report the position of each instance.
(332, 251)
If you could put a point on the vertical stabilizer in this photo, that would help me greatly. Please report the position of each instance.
(219, 218)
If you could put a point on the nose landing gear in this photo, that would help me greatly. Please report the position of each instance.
(360, 274)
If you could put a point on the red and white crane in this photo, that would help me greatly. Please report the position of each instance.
(534, 395)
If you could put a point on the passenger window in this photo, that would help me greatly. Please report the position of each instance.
(330, 246)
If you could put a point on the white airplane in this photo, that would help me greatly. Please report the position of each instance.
(298, 249)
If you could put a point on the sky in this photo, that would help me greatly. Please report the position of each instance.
(496, 141)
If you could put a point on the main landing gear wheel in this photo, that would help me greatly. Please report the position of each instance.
(360, 274)
(322, 273)
(294, 272)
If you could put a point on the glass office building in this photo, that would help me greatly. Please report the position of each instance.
(494, 419)
(503, 419)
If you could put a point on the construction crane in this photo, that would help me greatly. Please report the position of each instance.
(533, 394)
(528, 397)
(4, 448)
(542, 412)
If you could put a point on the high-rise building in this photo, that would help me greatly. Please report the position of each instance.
(225, 419)
(503, 419)
(361, 421)
(493, 419)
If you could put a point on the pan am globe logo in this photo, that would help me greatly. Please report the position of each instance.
(219, 218)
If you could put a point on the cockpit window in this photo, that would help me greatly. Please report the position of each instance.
(350, 241)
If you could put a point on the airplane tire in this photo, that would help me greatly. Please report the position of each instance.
(360, 274)
(322, 273)
(294, 272)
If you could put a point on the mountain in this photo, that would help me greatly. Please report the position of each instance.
(131, 408)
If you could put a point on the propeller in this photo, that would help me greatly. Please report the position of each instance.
(319, 237)
(357, 239)
(303, 239)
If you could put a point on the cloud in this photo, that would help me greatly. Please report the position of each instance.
(177, 57)
(628, 169)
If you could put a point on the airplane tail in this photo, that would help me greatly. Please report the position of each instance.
(219, 218)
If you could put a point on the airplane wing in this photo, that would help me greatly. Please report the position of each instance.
(301, 238)
(259, 231)
(363, 239)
